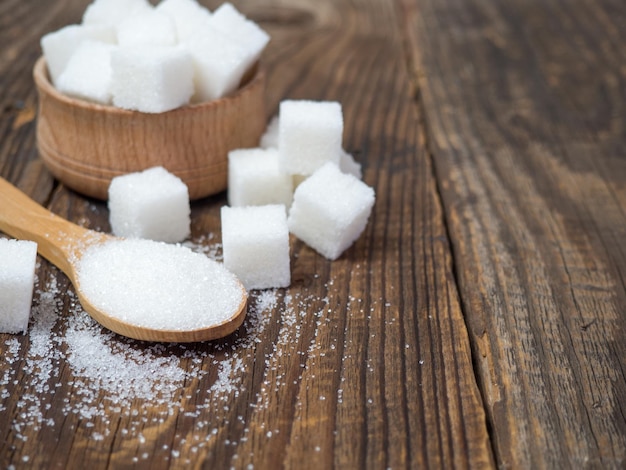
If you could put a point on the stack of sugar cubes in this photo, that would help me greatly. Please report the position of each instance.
(153, 59)
(17, 279)
(328, 210)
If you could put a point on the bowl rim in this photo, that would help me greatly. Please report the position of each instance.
(251, 78)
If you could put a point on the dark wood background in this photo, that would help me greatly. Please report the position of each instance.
(480, 321)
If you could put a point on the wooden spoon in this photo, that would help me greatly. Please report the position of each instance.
(63, 244)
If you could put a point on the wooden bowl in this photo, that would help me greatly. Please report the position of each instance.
(85, 144)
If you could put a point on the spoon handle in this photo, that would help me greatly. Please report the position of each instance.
(58, 240)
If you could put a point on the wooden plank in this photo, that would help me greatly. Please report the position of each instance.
(525, 106)
(362, 362)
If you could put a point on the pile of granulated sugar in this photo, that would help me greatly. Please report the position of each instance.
(96, 375)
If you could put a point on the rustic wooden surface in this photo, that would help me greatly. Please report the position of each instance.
(525, 104)
(479, 320)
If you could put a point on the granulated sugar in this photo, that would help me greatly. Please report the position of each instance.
(121, 371)
(157, 285)
(204, 244)
(10, 356)
(100, 373)
(74, 376)
(107, 371)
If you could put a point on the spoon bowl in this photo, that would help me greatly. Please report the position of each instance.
(64, 244)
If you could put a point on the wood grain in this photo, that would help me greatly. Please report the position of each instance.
(525, 107)
(363, 362)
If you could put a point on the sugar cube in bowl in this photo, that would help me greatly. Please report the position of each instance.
(86, 144)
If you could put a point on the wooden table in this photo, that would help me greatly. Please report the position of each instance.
(480, 320)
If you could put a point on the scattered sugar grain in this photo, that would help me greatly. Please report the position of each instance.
(204, 244)
(175, 369)
(13, 348)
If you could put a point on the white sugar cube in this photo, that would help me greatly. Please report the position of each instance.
(59, 46)
(219, 63)
(347, 164)
(229, 20)
(188, 16)
(255, 241)
(152, 204)
(254, 178)
(309, 135)
(330, 210)
(269, 139)
(113, 12)
(88, 73)
(147, 28)
(17, 278)
(151, 80)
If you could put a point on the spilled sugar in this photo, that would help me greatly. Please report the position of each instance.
(95, 374)
(107, 372)
(73, 375)
(205, 245)
(157, 285)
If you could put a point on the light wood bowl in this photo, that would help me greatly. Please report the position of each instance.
(85, 144)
